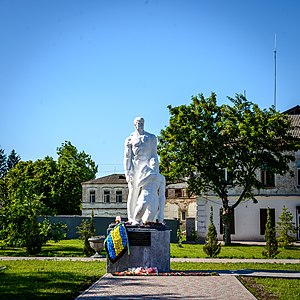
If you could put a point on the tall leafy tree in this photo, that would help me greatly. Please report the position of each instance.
(39, 177)
(41, 188)
(73, 168)
(12, 159)
(45, 181)
(58, 182)
(19, 180)
(203, 141)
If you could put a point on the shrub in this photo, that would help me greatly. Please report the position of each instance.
(179, 238)
(86, 229)
(212, 248)
(286, 229)
(271, 249)
(194, 236)
(21, 228)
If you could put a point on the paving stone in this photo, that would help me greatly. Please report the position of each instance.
(167, 287)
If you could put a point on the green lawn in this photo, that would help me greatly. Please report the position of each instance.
(73, 248)
(51, 280)
(233, 251)
(67, 279)
(233, 266)
(285, 289)
(272, 288)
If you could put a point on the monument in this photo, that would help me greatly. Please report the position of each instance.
(148, 237)
(146, 198)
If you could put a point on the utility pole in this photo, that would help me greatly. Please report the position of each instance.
(275, 73)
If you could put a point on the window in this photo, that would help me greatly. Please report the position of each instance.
(298, 220)
(118, 196)
(227, 176)
(92, 196)
(183, 215)
(232, 225)
(263, 219)
(106, 197)
(178, 193)
(267, 177)
(298, 172)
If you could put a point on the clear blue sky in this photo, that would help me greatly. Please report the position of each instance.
(81, 70)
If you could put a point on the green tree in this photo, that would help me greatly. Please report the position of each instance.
(271, 248)
(3, 171)
(204, 141)
(3, 163)
(17, 182)
(59, 182)
(39, 177)
(86, 230)
(12, 159)
(212, 247)
(286, 228)
(20, 225)
(73, 168)
(45, 181)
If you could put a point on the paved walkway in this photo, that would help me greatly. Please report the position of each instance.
(169, 287)
(225, 286)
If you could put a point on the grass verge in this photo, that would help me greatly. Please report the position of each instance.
(272, 288)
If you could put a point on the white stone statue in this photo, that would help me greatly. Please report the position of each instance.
(146, 197)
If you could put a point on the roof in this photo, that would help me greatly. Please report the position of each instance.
(296, 125)
(293, 111)
(113, 178)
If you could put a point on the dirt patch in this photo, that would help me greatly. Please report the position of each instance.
(256, 289)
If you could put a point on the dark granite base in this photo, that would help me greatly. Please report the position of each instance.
(149, 247)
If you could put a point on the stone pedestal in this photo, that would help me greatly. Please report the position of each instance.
(149, 247)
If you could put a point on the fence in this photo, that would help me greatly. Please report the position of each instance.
(101, 225)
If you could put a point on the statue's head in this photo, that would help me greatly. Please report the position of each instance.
(139, 123)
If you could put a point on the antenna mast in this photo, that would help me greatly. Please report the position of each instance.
(275, 73)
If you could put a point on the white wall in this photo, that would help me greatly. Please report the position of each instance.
(247, 215)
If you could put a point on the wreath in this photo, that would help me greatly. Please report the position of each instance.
(116, 242)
